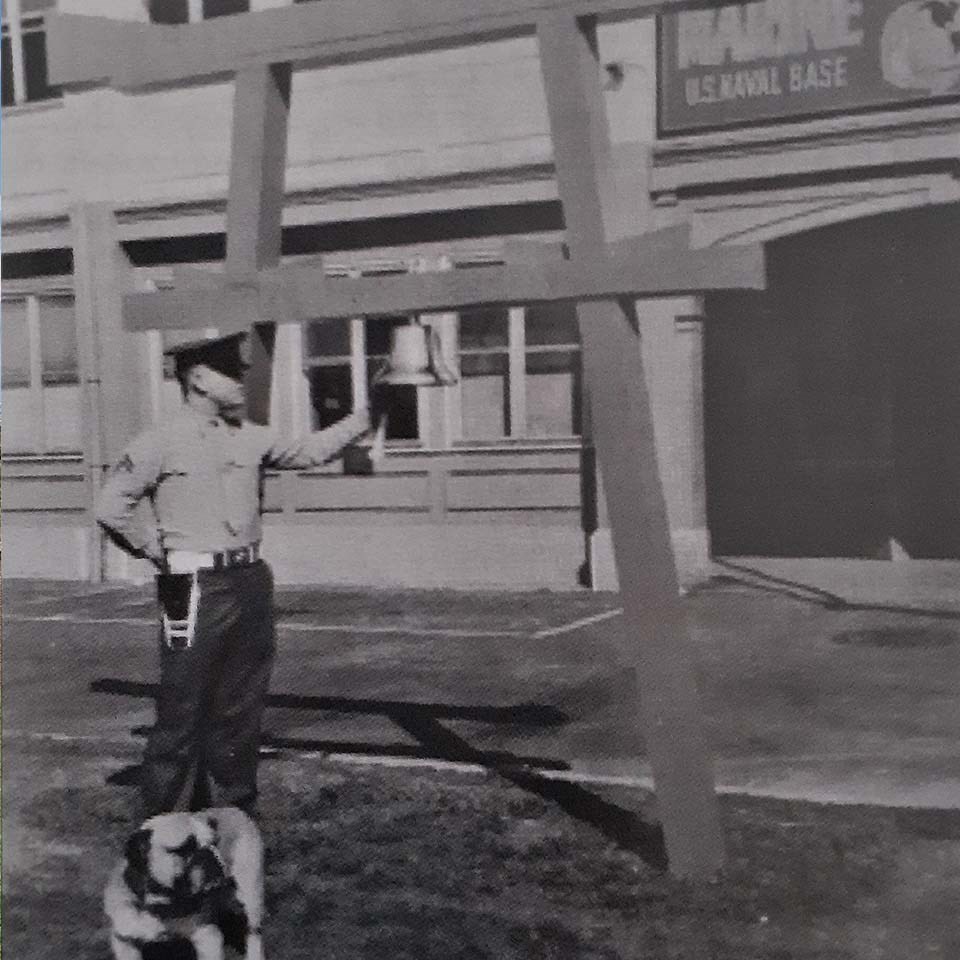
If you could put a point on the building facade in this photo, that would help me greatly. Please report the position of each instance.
(813, 419)
(830, 132)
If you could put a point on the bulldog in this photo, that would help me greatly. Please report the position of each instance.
(188, 876)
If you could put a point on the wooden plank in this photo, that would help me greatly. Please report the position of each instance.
(45, 493)
(506, 490)
(298, 294)
(317, 493)
(536, 459)
(652, 625)
(39, 467)
(514, 251)
(88, 49)
(255, 207)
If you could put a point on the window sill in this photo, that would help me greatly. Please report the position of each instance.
(33, 106)
(25, 457)
(518, 444)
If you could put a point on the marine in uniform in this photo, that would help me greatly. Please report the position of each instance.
(200, 475)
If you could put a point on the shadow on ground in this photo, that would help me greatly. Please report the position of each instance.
(628, 829)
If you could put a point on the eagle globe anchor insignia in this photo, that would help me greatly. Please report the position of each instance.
(920, 46)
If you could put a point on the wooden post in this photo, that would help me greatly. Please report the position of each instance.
(255, 204)
(114, 407)
(623, 430)
(599, 570)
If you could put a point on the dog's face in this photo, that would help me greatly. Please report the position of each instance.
(173, 858)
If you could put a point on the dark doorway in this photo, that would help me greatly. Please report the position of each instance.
(833, 398)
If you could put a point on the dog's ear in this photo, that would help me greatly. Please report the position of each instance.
(138, 850)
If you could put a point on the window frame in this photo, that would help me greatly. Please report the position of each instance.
(358, 359)
(195, 13)
(14, 27)
(571, 348)
(36, 387)
(515, 351)
(513, 412)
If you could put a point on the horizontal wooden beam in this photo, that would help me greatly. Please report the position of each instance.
(128, 55)
(513, 251)
(641, 267)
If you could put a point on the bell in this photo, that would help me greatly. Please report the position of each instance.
(415, 359)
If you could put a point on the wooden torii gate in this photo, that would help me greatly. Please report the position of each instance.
(259, 50)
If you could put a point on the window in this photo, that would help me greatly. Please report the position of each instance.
(519, 367)
(403, 418)
(553, 373)
(342, 358)
(485, 374)
(224, 8)
(329, 371)
(58, 340)
(24, 53)
(192, 11)
(41, 384)
(15, 347)
(520, 372)
(168, 11)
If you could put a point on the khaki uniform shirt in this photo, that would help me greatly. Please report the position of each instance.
(203, 478)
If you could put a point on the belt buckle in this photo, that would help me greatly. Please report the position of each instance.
(237, 556)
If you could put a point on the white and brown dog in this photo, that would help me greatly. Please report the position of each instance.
(184, 876)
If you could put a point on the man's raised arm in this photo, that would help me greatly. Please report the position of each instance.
(319, 447)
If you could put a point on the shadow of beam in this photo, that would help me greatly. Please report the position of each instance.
(526, 714)
(422, 721)
(805, 593)
(271, 742)
(626, 828)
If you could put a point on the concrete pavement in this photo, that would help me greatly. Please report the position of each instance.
(811, 688)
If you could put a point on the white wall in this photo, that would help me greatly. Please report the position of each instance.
(414, 117)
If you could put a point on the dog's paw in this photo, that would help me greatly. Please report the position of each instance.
(138, 927)
(208, 943)
(122, 950)
(254, 947)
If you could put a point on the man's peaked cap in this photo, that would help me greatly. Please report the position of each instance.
(228, 354)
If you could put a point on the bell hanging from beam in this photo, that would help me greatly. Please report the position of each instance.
(416, 358)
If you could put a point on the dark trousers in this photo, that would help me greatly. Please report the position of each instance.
(212, 696)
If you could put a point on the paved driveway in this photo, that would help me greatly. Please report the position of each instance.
(802, 695)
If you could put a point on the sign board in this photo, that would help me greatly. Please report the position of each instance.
(774, 60)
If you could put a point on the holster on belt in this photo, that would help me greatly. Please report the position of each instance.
(179, 597)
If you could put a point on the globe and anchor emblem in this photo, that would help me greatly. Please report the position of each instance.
(920, 46)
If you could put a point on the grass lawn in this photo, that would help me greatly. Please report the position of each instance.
(376, 862)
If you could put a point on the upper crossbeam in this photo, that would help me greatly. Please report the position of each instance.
(656, 264)
(130, 55)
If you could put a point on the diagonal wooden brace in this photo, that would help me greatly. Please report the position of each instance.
(654, 634)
